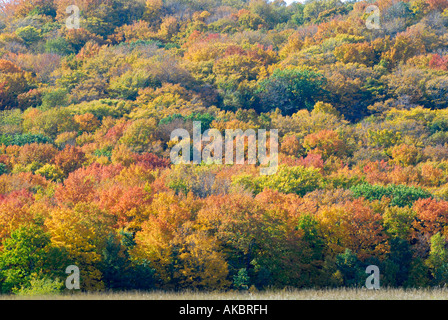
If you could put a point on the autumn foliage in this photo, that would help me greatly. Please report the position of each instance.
(86, 117)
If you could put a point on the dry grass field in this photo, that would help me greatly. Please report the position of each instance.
(331, 294)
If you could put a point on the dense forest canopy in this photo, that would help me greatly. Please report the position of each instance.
(86, 115)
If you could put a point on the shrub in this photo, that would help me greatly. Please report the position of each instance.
(69, 159)
(139, 134)
(41, 287)
(326, 143)
(241, 280)
(50, 172)
(350, 269)
(29, 34)
(290, 90)
(299, 180)
(36, 153)
(3, 168)
(400, 195)
(406, 155)
(23, 139)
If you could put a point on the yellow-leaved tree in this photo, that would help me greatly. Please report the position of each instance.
(82, 231)
(182, 256)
